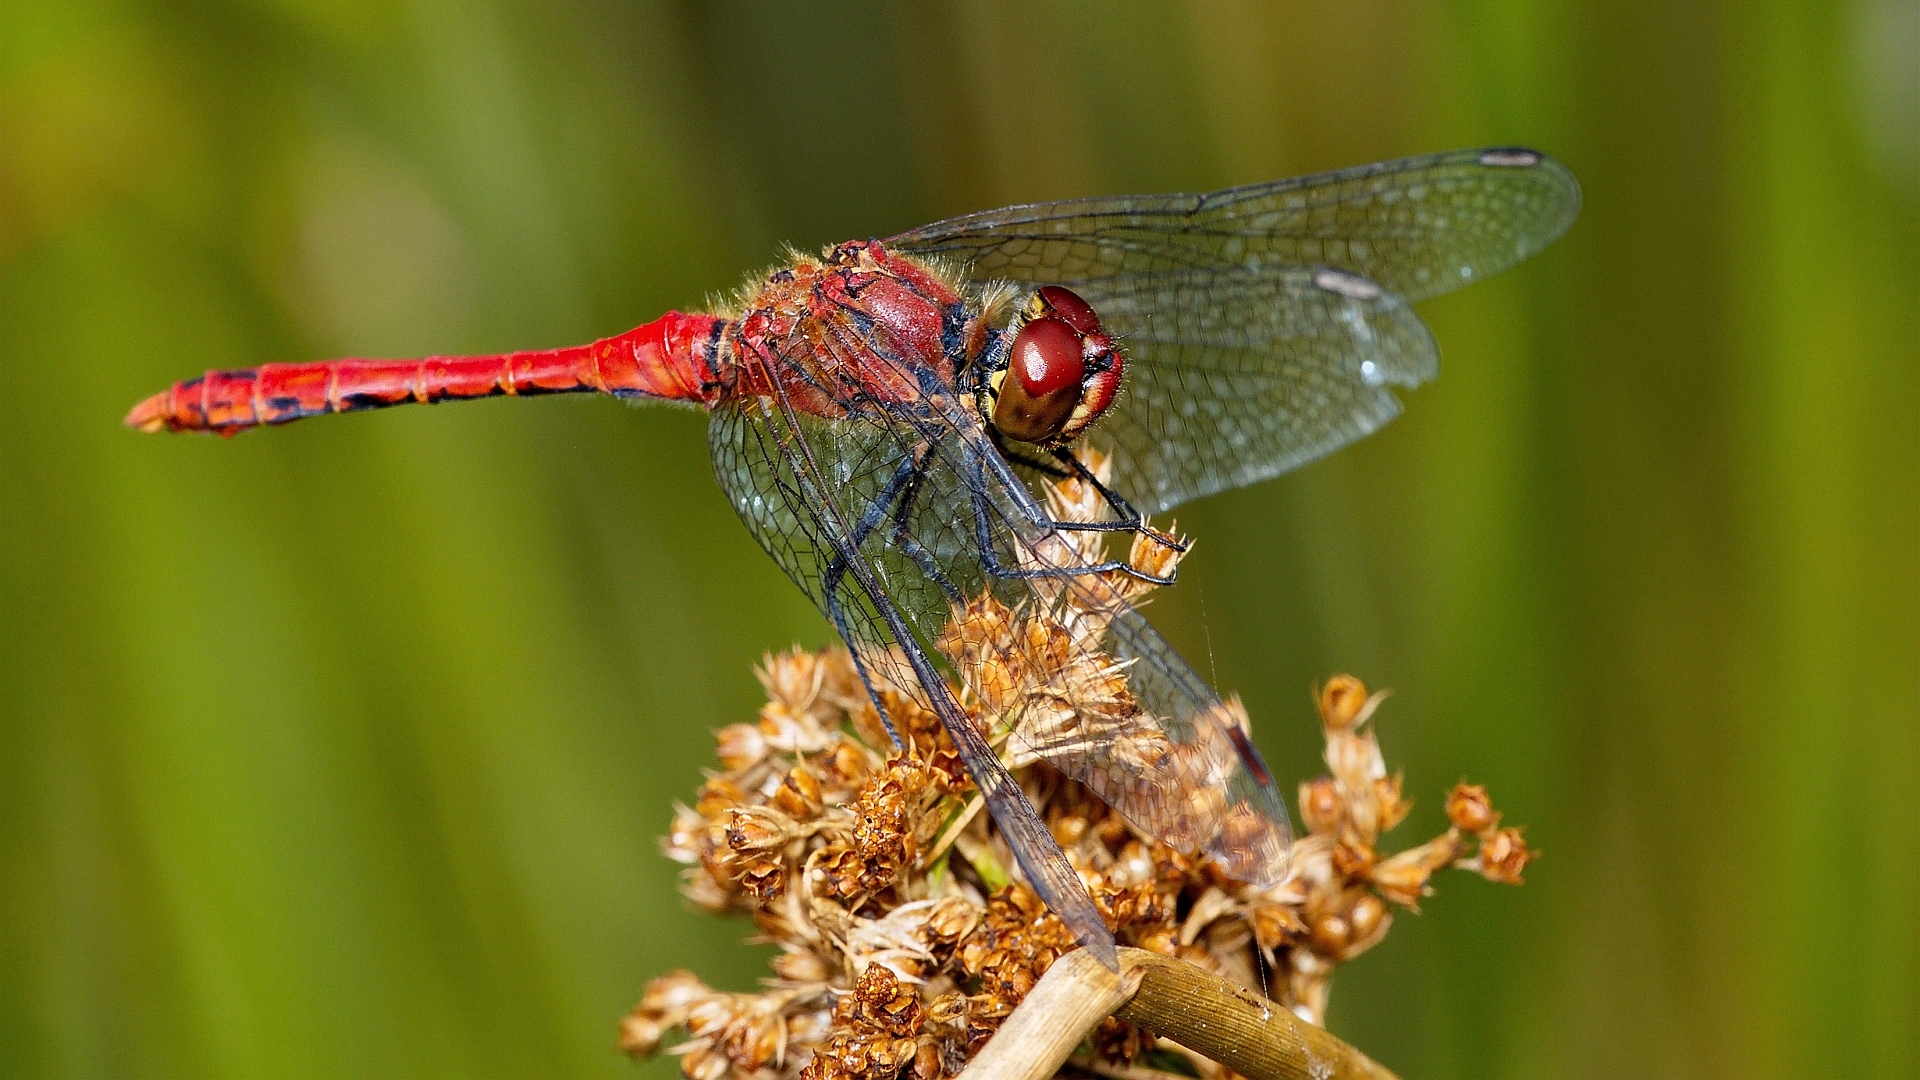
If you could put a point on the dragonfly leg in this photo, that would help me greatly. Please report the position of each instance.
(983, 530)
(1032, 843)
(836, 573)
(1127, 519)
(1044, 468)
(838, 617)
(895, 499)
(903, 537)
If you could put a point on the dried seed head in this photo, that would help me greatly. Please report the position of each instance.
(666, 1003)
(1073, 499)
(800, 965)
(1153, 555)
(841, 871)
(1403, 878)
(1369, 919)
(1504, 855)
(1341, 702)
(1321, 806)
(1015, 944)
(718, 794)
(759, 828)
(1117, 1041)
(1470, 810)
(799, 793)
(840, 685)
(879, 999)
(885, 838)
(686, 837)
(947, 1010)
(706, 892)
(1275, 924)
(826, 837)
(1356, 763)
(789, 731)
(950, 919)
(741, 746)
(789, 678)
(1352, 860)
(1329, 935)
(703, 1062)
(1393, 807)
(949, 771)
(763, 878)
(843, 769)
(640, 1036)
(868, 725)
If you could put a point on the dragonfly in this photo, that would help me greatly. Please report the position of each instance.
(883, 418)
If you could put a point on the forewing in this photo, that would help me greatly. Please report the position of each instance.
(1157, 744)
(1057, 654)
(1418, 226)
(1233, 377)
(1126, 714)
(805, 488)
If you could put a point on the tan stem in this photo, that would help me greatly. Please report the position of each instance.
(1171, 998)
(1075, 994)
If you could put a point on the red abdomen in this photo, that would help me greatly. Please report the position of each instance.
(674, 357)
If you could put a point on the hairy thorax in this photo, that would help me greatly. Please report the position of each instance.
(855, 331)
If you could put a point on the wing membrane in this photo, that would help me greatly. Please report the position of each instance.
(1418, 226)
(783, 473)
(826, 501)
(1233, 377)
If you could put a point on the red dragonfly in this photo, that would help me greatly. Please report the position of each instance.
(882, 417)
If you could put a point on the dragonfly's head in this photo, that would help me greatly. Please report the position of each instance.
(1057, 372)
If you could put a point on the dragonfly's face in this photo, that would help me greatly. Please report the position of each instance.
(1060, 373)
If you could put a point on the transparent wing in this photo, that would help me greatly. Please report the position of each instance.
(1418, 226)
(918, 540)
(803, 487)
(1062, 658)
(1234, 377)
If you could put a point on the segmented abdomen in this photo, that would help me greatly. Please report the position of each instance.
(672, 357)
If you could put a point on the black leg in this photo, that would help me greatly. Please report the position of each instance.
(1127, 518)
(983, 533)
(836, 572)
(1044, 468)
(839, 619)
(903, 537)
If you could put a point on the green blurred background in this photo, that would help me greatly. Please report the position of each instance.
(341, 749)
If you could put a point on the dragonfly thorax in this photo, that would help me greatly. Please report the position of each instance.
(860, 331)
(1054, 372)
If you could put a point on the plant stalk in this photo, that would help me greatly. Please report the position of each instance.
(1171, 998)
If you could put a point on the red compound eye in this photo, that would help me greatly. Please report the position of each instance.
(1046, 357)
(1066, 304)
(1040, 389)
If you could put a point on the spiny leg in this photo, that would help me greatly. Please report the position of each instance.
(901, 488)
(977, 465)
(896, 500)
(903, 537)
(844, 628)
(1044, 468)
(1033, 845)
(1126, 518)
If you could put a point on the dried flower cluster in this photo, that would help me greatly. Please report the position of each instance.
(906, 942)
